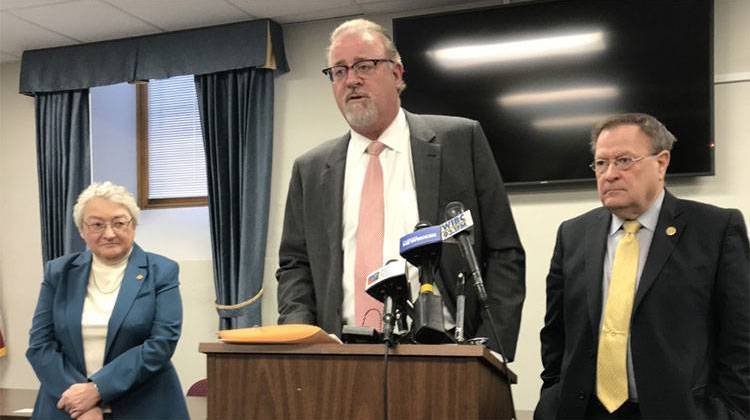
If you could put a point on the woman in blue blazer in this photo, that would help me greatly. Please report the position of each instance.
(107, 321)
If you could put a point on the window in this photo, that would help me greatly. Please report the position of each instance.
(171, 161)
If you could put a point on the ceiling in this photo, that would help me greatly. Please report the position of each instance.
(32, 24)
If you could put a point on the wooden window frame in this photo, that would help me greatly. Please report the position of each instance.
(144, 201)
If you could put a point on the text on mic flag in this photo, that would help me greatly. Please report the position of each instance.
(455, 225)
(391, 269)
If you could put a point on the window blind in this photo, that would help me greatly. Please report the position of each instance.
(176, 161)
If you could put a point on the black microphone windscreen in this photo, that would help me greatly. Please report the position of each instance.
(453, 209)
(422, 224)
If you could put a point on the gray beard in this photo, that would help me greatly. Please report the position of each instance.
(361, 117)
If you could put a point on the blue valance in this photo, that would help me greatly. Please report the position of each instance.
(213, 49)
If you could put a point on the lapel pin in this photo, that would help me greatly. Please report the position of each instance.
(671, 231)
(139, 277)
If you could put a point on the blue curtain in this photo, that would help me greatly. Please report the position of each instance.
(236, 110)
(63, 165)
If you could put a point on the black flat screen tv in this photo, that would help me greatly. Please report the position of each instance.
(538, 75)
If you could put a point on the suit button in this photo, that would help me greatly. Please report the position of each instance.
(581, 396)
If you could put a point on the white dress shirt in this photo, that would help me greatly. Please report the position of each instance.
(400, 200)
(401, 213)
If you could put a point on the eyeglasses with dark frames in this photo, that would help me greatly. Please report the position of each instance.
(362, 68)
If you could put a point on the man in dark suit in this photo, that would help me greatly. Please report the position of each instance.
(427, 162)
(652, 322)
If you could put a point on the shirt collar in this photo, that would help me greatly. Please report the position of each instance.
(391, 137)
(648, 219)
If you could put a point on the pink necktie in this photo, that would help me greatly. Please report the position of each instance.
(369, 254)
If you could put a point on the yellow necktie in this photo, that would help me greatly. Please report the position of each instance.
(611, 363)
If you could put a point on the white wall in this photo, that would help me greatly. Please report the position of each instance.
(306, 115)
(20, 244)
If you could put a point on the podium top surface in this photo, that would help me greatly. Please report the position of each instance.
(401, 350)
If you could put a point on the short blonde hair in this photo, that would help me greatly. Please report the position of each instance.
(109, 191)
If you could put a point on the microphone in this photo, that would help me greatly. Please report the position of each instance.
(388, 285)
(457, 226)
(388, 281)
(422, 249)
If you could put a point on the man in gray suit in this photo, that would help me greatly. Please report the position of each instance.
(427, 162)
(667, 335)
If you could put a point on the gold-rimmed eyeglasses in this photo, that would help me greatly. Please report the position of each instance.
(117, 225)
(621, 163)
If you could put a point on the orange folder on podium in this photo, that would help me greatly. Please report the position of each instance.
(278, 334)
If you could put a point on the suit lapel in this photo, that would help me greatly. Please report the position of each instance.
(332, 186)
(136, 273)
(425, 154)
(662, 245)
(78, 280)
(596, 245)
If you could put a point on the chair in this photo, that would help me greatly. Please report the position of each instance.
(198, 389)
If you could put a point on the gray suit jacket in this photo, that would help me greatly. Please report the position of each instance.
(452, 162)
(690, 327)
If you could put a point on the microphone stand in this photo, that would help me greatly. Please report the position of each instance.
(476, 277)
(390, 340)
(460, 308)
(385, 380)
(388, 321)
(452, 210)
(482, 295)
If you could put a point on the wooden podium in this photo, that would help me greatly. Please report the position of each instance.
(345, 381)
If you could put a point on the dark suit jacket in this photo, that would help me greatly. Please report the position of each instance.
(452, 161)
(690, 327)
(137, 380)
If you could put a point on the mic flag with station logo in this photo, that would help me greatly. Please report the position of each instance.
(424, 243)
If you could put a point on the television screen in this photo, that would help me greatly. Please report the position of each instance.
(538, 75)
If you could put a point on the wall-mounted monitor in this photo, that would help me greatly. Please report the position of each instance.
(537, 75)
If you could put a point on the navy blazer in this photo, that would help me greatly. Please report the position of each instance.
(137, 380)
(452, 162)
(690, 326)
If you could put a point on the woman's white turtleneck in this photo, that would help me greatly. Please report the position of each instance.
(101, 295)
